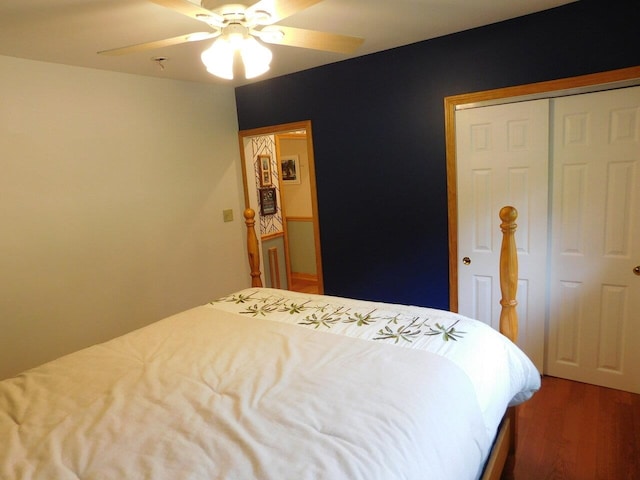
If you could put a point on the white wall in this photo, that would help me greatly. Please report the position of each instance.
(112, 188)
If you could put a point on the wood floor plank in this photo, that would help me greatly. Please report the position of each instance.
(574, 431)
(587, 434)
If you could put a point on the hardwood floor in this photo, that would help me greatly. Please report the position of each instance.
(575, 431)
(304, 284)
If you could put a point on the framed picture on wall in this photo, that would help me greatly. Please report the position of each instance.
(268, 205)
(264, 162)
(290, 165)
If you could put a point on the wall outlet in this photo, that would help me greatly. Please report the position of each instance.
(227, 215)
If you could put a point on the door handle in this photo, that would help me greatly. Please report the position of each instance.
(467, 261)
(636, 270)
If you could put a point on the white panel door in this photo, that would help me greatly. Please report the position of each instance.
(502, 159)
(594, 322)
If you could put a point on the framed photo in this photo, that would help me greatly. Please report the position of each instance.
(290, 165)
(268, 205)
(264, 162)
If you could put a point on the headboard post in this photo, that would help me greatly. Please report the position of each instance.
(252, 247)
(509, 274)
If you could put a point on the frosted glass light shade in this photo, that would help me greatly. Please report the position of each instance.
(219, 57)
(256, 57)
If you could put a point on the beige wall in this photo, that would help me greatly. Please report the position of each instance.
(302, 249)
(297, 195)
(112, 188)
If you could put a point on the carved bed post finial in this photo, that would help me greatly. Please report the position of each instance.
(252, 247)
(509, 274)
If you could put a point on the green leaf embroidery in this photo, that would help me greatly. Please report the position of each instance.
(403, 332)
(327, 319)
(399, 327)
(240, 298)
(294, 308)
(447, 333)
(256, 310)
(361, 319)
(393, 319)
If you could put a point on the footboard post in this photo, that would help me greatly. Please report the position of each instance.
(509, 274)
(509, 289)
(253, 248)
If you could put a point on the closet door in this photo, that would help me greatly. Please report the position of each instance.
(502, 159)
(594, 322)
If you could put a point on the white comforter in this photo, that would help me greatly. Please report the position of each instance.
(267, 384)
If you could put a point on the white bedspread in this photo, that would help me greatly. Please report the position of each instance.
(223, 392)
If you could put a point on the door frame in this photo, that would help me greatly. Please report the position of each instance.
(553, 88)
(279, 130)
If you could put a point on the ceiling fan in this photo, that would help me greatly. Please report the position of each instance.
(236, 28)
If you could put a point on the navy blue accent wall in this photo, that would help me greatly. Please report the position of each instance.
(379, 140)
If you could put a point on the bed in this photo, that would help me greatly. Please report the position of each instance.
(271, 384)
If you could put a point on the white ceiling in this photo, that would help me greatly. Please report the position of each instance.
(72, 31)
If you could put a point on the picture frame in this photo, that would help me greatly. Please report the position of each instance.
(268, 202)
(290, 167)
(264, 164)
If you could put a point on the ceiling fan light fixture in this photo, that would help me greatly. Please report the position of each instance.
(235, 38)
(237, 28)
(218, 58)
(235, 34)
(256, 58)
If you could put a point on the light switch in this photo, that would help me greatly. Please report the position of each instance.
(227, 215)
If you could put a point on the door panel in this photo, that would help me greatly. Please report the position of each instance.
(502, 159)
(594, 323)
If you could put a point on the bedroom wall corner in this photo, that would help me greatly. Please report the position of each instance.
(112, 191)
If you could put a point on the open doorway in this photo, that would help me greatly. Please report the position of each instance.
(279, 185)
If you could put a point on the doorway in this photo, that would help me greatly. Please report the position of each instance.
(279, 185)
(613, 331)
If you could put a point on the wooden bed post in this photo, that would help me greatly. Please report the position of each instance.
(509, 289)
(505, 444)
(252, 247)
(509, 274)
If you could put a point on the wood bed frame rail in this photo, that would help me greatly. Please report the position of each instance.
(505, 443)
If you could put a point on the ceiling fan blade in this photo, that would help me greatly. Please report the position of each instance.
(280, 9)
(192, 10)
(191, 37)
(298, 37)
